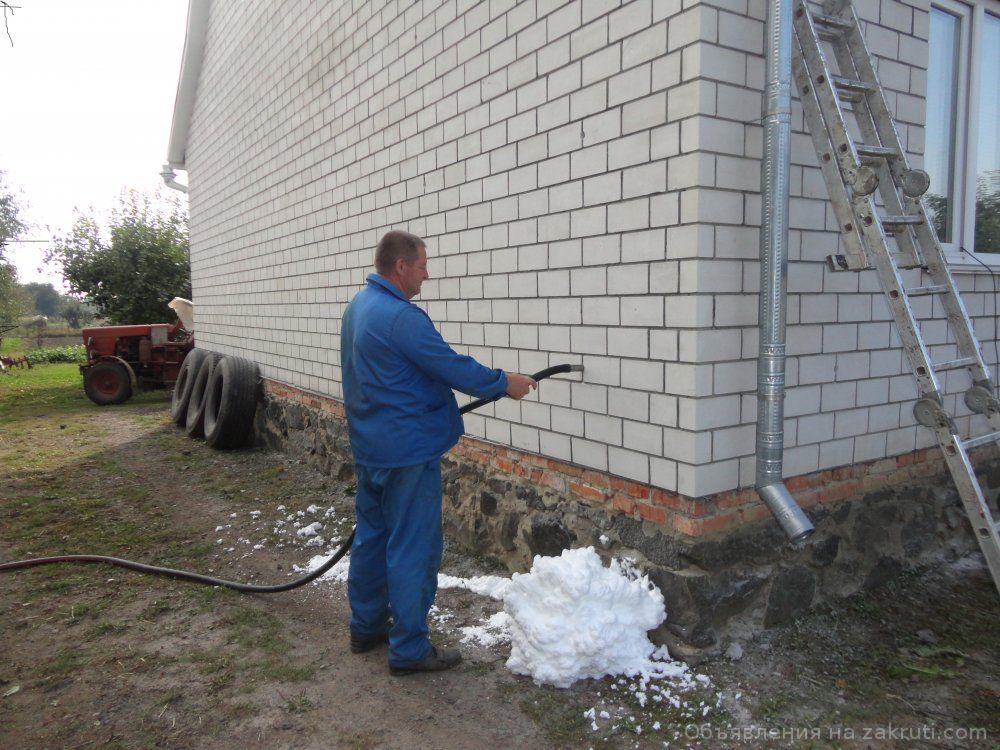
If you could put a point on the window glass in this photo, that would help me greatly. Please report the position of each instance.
(942, 106)
(987, 153)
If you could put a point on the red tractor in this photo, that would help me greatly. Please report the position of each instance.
(123, 360)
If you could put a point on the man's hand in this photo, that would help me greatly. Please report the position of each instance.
(519, 386)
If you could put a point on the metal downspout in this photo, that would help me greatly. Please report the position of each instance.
(170, 179)
(773, 275)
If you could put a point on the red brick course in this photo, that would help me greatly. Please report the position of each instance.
(689, 516)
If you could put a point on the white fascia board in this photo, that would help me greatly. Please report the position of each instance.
(187, 85)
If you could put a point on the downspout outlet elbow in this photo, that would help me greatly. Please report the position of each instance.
(170, 179)
(788, 514)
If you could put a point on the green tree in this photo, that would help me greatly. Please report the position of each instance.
(988, 213)
(11, 227)
(12, 299)
(131, 278)
(47, 300)
(987, 238)
(76, 313)
(937, 206)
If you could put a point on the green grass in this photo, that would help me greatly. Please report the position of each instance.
(53, 389)
(254, 651)
(66, 661)
(85, 523)
(558, 713)
(41, 391)
(299, 704)
(264, 650)
(12, 346)
(104, 627)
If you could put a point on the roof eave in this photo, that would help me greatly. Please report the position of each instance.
(187, 85)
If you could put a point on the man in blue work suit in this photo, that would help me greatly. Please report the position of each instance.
(402, 417)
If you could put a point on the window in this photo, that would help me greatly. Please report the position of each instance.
(962, 137)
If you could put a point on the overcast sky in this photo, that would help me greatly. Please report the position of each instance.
(86, 100)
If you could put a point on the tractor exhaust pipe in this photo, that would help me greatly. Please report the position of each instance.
(774, 275)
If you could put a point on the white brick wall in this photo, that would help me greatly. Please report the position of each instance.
(586, 173)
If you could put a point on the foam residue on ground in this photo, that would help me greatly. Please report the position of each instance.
(494, 587)
(337, 573)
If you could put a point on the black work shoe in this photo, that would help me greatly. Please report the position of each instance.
(437, 660)
(360, 644)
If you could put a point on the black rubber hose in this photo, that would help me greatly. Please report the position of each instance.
(540, 375)
(246, 588)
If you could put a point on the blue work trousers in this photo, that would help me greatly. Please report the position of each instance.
(396, 556)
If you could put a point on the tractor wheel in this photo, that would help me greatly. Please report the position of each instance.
(185, 382)
(107, 383)
(230, 403)
(195, 423)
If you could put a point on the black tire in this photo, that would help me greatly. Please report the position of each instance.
(195, 422)
(230, 403)
(107, 383)
(185, 382)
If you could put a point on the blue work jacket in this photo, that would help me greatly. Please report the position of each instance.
(398, 376)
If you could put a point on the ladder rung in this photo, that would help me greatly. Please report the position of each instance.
(920, 291)
(849, 90)
(975, 442)
(850, 84)
(895, 223)
(955, 364)
(875, 152)
(832, 21)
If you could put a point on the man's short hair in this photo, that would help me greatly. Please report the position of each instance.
(393, 246)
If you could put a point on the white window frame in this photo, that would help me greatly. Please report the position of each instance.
(971, 14)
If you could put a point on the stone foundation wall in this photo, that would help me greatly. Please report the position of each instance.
(723, 565)
(307, 426)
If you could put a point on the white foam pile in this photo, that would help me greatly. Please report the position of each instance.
(574, 619)
(570, 618)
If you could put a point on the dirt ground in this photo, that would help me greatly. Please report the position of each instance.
(101, 657)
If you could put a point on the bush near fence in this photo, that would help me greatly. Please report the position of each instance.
(45, 355)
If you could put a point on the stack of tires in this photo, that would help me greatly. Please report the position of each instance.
(216, 397)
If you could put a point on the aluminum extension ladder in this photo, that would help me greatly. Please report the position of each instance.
(875, 196)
